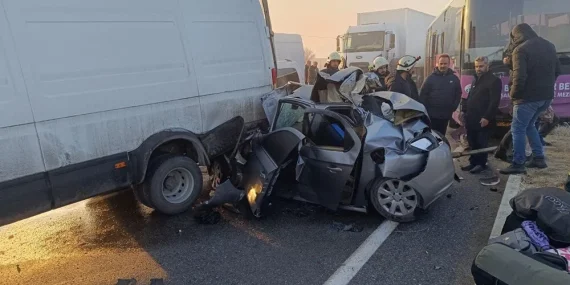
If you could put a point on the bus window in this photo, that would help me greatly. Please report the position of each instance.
(492, 22)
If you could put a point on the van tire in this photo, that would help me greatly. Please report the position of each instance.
(141, 196)
(186, 177)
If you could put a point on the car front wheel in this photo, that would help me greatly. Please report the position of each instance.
(394, 199)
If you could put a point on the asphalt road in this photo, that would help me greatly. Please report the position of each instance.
(104, 239)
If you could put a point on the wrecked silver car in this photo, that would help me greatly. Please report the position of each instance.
(344, 149)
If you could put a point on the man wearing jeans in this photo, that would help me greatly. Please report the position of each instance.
(535, 69)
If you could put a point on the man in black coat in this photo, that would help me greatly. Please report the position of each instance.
(479, 110)
(441, 94)
(535, 69)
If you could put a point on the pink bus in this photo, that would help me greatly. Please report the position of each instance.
(467, 29)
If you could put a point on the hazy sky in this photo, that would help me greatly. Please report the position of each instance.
(320, 21)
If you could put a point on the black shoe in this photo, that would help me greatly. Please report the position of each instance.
(477, 169)
(537, 163)
(514, 169)
(467, 167)
(490, 181)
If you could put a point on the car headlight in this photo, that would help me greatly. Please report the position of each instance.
(422, 144)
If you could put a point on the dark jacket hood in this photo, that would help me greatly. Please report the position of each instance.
(521, 33)
(448, 72)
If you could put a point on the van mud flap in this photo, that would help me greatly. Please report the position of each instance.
(223, 138)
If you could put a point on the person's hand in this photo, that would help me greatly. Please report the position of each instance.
(484, 122)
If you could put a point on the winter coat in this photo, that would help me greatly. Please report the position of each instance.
(441, 94)
(330, 70)
(535, 66)
(395, 83)
(382, 80)
(483, 101)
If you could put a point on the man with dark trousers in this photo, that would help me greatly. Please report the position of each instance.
(441, 94)
(478, 111)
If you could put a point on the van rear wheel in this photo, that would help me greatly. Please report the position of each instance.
(173, 184)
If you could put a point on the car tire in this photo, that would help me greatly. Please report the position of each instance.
(172, 184)
(384, 188)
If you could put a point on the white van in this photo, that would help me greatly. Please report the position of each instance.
(100, 95)
(289, 48)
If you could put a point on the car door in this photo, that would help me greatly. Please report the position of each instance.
(327, 158)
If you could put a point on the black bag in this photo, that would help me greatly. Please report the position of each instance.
(550, 208)
(499, 264)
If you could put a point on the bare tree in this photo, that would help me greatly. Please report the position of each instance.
(309, 54)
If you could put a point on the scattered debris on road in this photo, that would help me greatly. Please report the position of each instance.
(473, 208)
(352, 227)
(18, 268)
(449, 196)
(208, 217)
(437, 267)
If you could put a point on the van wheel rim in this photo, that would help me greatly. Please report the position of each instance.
(397, 198)
(178, 185)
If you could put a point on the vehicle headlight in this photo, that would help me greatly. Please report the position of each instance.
(422, 144)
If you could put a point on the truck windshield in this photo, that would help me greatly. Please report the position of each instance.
(489, 23)
(366, 41)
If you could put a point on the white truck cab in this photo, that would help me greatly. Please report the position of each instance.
(362, 44)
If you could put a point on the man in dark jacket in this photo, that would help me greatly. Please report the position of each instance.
(401, 81)
(479, 110)
(307, 66)
(333, 62)
(441, 94)
(535, 69)
(313, 70)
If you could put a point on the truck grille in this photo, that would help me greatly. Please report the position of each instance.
(361, 65)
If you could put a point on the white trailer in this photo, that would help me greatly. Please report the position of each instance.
(389, 33)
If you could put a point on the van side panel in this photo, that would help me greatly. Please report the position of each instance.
(82, 57)
(230, 48)
(23, 188)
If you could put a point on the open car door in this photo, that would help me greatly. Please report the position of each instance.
(327, 157)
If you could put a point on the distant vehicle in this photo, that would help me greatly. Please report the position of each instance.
(287, 71)
(100, 95)
(289, 48)
(467, 29)
(391, 34)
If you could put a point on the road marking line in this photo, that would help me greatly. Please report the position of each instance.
(511, 190)
(354, 263)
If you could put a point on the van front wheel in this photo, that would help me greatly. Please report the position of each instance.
(173, 184)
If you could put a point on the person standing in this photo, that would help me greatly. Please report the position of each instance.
(535, 69)
(333, 62)
(313, 70)
(401, 81)
(478, 111)
(380, 67)
(307, 67)
(441, 94)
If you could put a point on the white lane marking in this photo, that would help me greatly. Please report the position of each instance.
(354, 263)
(511, 190)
